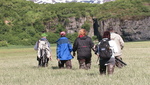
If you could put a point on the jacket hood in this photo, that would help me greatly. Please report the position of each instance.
(61, 38)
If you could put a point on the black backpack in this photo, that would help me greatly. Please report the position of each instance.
(104, 49)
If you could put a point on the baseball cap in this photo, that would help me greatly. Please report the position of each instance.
(62, 33)
(44, 35)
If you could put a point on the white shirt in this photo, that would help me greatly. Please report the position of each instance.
(113, 46)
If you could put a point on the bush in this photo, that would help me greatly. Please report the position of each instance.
(86, 26)
(53, 37)
(94, 38)
(72, 37)
(3, 43)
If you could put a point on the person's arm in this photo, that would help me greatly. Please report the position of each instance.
(36, 46)
(58, 50)
(121, 42)
(91, 44)
(75, 46)
(70, 46)
(96, 49)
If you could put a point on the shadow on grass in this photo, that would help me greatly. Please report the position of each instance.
(37, 67)
(92, 74)
(55, 67)
(52, 67)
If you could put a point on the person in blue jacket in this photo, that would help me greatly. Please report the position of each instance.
(64, 49)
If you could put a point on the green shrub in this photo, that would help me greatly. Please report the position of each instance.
(86, 26)
(53, 37)
(26, 20)
(94, 38)
(72, 37)
(3, 43)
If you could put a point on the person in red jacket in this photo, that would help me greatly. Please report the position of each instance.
(83, 45)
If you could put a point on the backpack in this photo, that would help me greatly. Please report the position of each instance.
(104, 49)
(43, 44)
(43, 48)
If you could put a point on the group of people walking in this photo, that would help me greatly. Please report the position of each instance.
(83, 46)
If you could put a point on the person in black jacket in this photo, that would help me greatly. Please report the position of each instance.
(83, 45)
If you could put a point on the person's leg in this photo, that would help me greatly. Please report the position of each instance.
(39, 61)
(68, 64)
(61, 64)
(102, 67)
(88, 63)
(81, 63)
(110, 69)
(118, 64)
(47, 62)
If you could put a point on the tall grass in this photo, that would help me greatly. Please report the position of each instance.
(18, 66)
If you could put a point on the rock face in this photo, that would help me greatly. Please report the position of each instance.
(75, 24)
(130, 30)
(71, 25)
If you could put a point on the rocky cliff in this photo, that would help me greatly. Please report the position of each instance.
(130, 29)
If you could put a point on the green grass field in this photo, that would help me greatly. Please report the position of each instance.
(18, 66)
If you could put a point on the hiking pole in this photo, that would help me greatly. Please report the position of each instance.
(120, 61)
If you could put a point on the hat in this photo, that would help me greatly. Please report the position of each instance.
(44, 35)
(62, 33)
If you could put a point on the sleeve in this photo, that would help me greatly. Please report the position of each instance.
(91, 43)
(58, 50)
(36, 46)
(96, 49)
(70, 47)
(121, 42)
(75, 45)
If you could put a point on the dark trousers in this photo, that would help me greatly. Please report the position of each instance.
(110, 69)
(108, 65)
(84, 63)
(39, 62)
(67, 63)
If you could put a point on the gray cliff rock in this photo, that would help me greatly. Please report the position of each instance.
(130, 30)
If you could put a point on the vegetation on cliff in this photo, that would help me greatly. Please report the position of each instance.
(21, 21)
